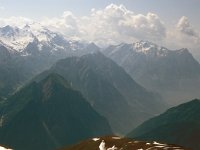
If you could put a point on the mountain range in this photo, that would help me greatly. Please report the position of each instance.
(179, 125)
(30, 50)
(174, 74)
(47, 115)
(56, 92)
(109, 90)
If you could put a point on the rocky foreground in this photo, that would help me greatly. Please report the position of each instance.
(118, 143)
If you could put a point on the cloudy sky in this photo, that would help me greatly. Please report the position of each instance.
(171, 23)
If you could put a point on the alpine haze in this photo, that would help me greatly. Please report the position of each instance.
(99, 74)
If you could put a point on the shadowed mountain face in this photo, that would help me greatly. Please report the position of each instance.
(109, 89)
(173, 74)
(47, 115)
(118, 143)
(179, 125)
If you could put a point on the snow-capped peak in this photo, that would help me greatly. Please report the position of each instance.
(42, 33)
(150, 48)
(18, 39)
(15, 38)
(8, 31)
(144, 46)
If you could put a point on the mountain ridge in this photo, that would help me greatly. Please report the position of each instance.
(51, 110)
(174, 74)
(27, 51)
(107, 87)
(179, 125)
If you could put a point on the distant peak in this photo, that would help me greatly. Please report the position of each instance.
(7, 29)
(97, 54)
(184, 50)
(26, 27)
(93, 45)
(145, 42)
(145, 46)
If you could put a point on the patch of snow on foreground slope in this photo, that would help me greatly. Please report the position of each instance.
(2, 148)
(156, 143)
(102, 146)
(96, 139)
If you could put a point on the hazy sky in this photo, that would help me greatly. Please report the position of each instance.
(169, 10)
(172, 23)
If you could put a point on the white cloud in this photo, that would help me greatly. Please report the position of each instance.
(115, 24)
(15, 21)
(184, 27)
(67, 24)
(111, 25)
(183, 35)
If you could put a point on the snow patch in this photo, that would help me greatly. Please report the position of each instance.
(96, 139)
(102, 146)
(149, 48)
(112, 148)
(144, 46)
(160, 146)
(18, 38)
(3, 148)
(156, 143)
